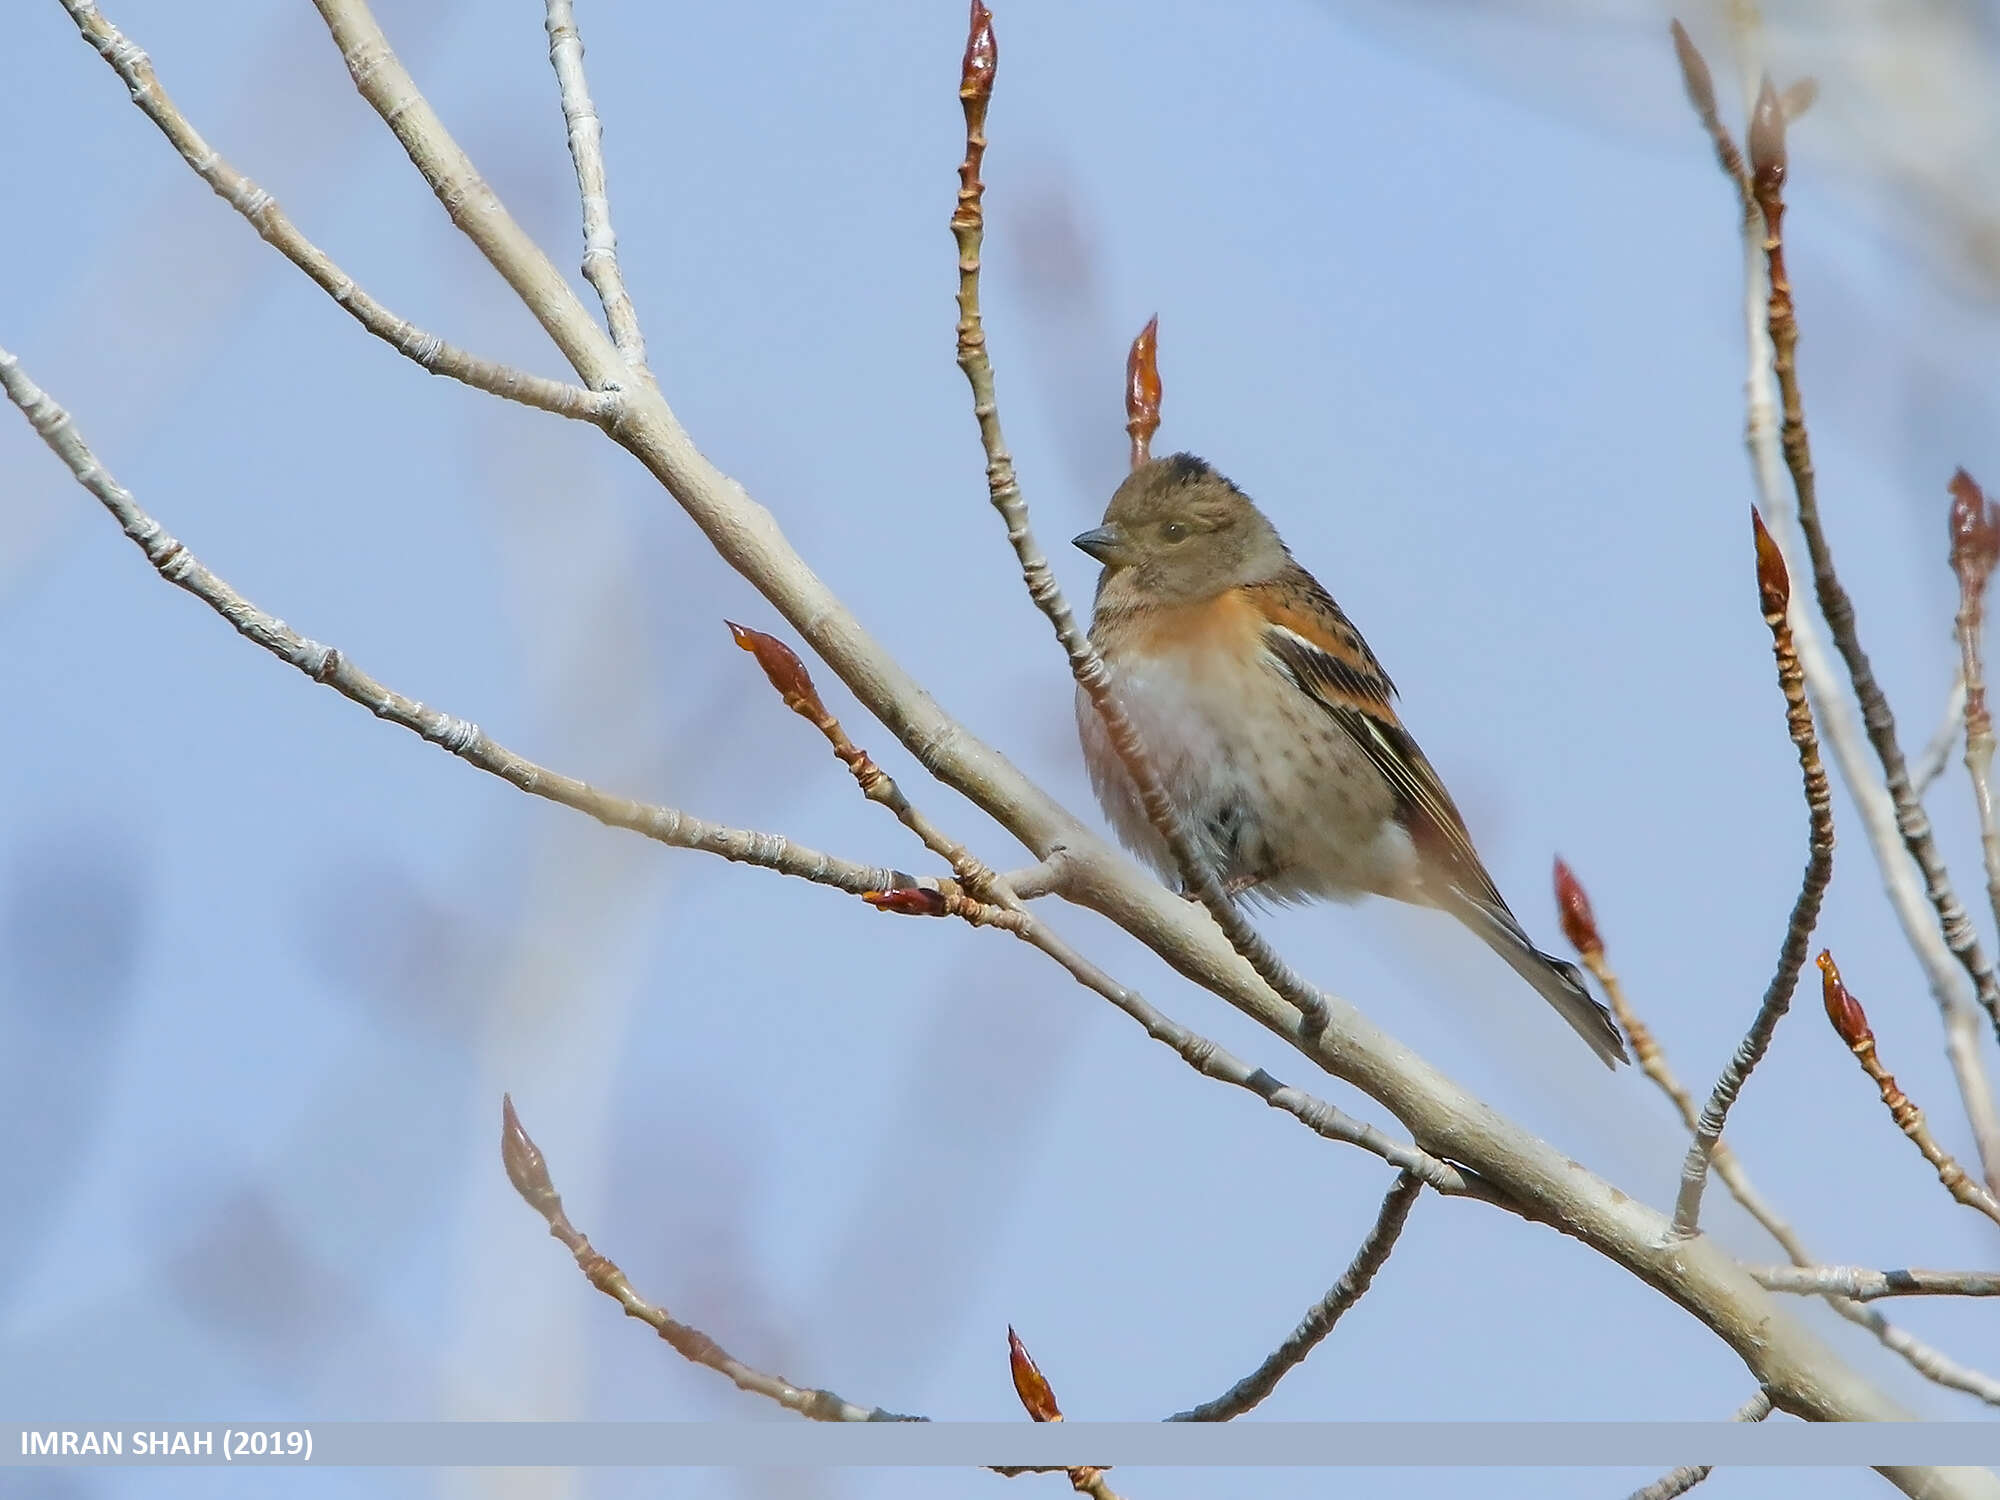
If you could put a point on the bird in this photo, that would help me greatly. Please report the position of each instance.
(1273, 727)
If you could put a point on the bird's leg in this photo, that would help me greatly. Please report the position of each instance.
(1232, 888)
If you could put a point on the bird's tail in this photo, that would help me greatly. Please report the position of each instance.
(1559, 983)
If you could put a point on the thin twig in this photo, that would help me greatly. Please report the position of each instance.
(1866, 1286)
(1580, 927)
(794, 685)
(1975, 548)
(426, 350)
(1320, 1318)
(968, 229)
(1839, 722)
(324, 664)
(586, 149)
(1774, 590)
(1679, 1481)
(1851, 1021)
(1936, 754)
(529, 1173)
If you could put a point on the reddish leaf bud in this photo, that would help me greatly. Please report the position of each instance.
(1695, 76)
(1142, 391)
(1841, 1008)
(1029, 1383)
(1774, 582)
(782, 665)
(1579, 923)
(982, 57)
(1975, 533)
(1767, 141)
(909, 901)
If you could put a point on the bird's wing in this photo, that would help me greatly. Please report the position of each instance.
(1319, 649)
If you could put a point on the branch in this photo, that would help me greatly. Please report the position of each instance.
(1774, 589)
(586, 148)
(1839, 725)
(1848, 1018)
(1975, 548)
(1679, 1481)
(1580, 927)
(1320, 1318)
(1768, 168)
(426, 350)
(1865, 1286)
(975, 92)
(331, 667)
(529, 1173)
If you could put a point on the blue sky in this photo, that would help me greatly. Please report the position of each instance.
(1474, 343)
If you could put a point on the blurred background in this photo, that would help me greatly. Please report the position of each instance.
(1452, 288)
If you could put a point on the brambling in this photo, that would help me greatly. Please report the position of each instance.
(1273, 728)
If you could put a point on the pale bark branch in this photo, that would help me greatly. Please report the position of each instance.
(1865, 1286)
(261, 210)
(331, 667)
(1321, 1316)
(586, 149)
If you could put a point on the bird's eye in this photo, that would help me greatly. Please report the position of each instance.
(1174, 531)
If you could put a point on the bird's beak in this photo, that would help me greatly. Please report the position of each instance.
(1105, 543)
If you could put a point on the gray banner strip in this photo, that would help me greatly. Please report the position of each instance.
(818, 1445)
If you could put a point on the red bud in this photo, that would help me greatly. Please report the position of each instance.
(1579, 923)
(1029, 1383)
(1841, 1007)
(1142, 391)
(909, 901)
(1774, 582)
(982, 57)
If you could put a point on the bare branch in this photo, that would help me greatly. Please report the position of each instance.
(586, 149)
(426, 350)
(324, 664)
(1320, 1318)
(1679, 1481)
(1975, 548)
(1580, 927)
(1848, 1018)
(1774, 589)
(1839, 725)
(1865, 1286)
(529, 1173)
